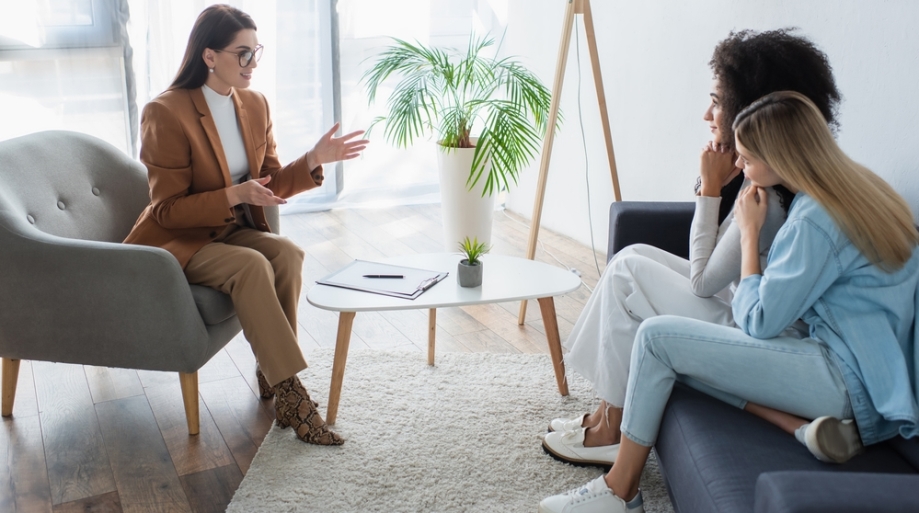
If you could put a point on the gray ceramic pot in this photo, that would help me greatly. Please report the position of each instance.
(469, 275)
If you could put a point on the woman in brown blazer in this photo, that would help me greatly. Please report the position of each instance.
(212, 166)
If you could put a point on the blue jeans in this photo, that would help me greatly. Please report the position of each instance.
(790, 374)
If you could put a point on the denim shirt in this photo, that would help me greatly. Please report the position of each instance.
(864, 315)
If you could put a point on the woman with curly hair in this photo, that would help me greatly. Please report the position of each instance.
(641, 281)
(845, 262)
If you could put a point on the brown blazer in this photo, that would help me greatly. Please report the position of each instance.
(187, 170)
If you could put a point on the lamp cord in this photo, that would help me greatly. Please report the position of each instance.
(577, 50)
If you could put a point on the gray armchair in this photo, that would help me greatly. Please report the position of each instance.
(71, 292)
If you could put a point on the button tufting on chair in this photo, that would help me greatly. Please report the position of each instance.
(71, 292)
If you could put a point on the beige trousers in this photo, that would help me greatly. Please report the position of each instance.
(262, 273)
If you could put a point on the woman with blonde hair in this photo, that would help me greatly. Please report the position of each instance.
(845, 262)
(642, 281)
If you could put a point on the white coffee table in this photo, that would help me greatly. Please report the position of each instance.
(505, 279)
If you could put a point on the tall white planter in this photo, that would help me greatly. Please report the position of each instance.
(465, 213)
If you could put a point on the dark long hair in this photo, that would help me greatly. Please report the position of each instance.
(215, 28)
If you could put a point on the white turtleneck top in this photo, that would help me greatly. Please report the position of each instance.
(224, 113)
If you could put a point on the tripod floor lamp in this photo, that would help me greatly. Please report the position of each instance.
(575, 7)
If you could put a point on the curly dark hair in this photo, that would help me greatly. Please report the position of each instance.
(749, 65)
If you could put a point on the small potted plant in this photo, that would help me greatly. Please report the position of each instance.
(469, 270)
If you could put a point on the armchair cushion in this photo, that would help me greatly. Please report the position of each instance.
(213, 305)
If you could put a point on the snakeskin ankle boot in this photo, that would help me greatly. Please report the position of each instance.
(293, 407)
(265, 391)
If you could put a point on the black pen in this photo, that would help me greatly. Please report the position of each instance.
(383, 276)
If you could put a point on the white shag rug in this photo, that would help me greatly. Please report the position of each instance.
(463, 435)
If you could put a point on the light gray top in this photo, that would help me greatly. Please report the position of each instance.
(505, 278)
(224, 113)
(714, 252)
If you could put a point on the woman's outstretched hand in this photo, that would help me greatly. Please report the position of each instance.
(332, 149)
(716, 167)
(253, 192)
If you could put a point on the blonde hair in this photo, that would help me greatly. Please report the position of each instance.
(787, 132)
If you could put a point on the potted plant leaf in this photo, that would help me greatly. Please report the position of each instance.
(488, 116)
(469, 270)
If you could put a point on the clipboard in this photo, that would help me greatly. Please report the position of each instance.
(413, 283)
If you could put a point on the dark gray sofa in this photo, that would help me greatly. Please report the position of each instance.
(718, 459)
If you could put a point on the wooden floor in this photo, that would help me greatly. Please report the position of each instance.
(98, 439)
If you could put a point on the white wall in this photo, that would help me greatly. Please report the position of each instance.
(654, 57)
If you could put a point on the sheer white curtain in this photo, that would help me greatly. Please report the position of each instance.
(385, 175)
(63, 66)
(85, 65)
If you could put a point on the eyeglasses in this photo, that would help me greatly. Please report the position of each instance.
(246, 56)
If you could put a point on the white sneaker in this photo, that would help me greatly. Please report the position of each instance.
(594, 497)
(567, 424)
(832, 440)
(568, 446)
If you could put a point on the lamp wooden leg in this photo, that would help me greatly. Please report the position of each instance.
(10, 378)
(190, 398)
(432, 329)
(547, 307)
(345, 321)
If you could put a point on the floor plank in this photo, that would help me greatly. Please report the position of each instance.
(486, 341)
(414, 325)
(504, 324)
(189, 454)
(377, 333)
(241, 354)
(218, 368)
(24, 485)
(77, 463)
(26, 401)
(144, 474)
(106, 384)
(108, 503)
(240, 416)
(211, 491)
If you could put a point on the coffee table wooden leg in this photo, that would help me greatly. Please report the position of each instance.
(432, 328)
(547, 307)
(345, 320)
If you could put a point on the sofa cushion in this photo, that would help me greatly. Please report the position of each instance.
(824, 492)
(711, 454)
(662, 224)
(908, 449)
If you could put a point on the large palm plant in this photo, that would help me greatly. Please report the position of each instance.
(452, 94)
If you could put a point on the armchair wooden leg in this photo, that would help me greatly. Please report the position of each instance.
(10, 378)
(190, 397)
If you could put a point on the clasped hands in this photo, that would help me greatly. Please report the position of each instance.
(716, 168)
(750, 211)
(327, 149)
